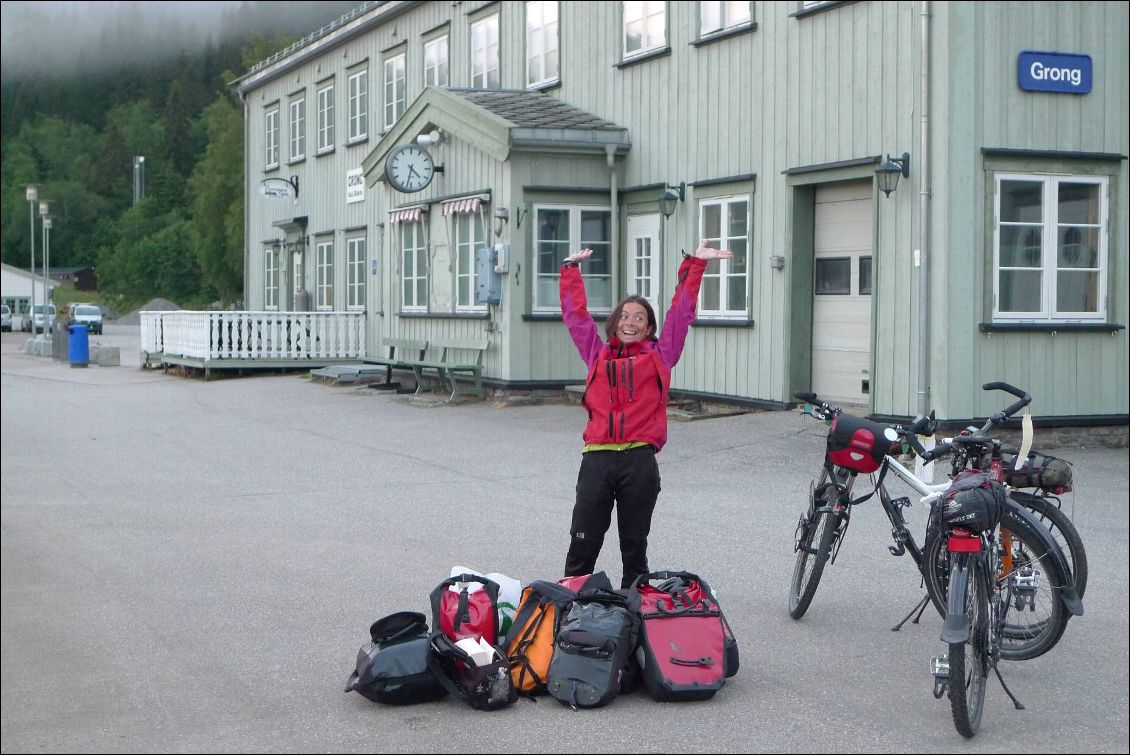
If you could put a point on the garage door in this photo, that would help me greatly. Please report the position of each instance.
(841, 306)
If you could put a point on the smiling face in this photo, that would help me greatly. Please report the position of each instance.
(633, 325)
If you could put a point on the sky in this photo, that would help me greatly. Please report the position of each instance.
(71, 36)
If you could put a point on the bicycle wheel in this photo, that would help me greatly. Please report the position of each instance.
(969, 661)
(816, 533)
(1035, 617)
(1064, 532)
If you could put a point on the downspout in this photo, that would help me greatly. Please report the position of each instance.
(610, 158)
(924, 219)
(247, 207)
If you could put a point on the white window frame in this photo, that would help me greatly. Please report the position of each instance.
(486, 70)
(356, 260)
(298, 129)
(324, 275)
(395, 90)
(722, 271)
(358, 105)
(729, 15)
(575, 240)
(271, 136)
(271, 279)
(412, 275)
(326, 118)
(436, 62)
(543, 43)
(641, 12)
(470, 234)
(1049, 269)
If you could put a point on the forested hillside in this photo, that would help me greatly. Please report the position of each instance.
(74, 128)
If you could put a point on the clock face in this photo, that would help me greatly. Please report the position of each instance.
(409, 168)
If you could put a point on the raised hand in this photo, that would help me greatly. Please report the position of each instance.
(577, 257)
(705, 252)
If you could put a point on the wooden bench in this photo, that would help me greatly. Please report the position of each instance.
(400, 351)
(455, 357)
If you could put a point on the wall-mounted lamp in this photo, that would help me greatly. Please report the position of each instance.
(501, 218)
(435, 136)
(889, 172)
(671, 197)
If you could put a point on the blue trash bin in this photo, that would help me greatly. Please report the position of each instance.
(78, 350)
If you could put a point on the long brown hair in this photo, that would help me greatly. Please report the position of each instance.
(613, 320)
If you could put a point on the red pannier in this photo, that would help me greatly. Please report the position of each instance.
(465, 613)
(686, 649)
(858, 443)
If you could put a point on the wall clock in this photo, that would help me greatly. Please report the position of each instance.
(409, 168)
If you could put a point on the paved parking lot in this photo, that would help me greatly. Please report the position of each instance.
(191, 567)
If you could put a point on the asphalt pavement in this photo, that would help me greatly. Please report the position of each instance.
(191, 566)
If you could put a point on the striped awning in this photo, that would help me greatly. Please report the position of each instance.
(464, 205)
(406, 214)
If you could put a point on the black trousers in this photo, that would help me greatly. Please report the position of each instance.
(628, 481)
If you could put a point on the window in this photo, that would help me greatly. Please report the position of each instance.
(359, 106)
(435, 62)
(326, 118)
(298, 129)
(645, 27)
(271, 124)
(484, 53)
(271, 280)
(395, 93)
(865, 276)
(718, 16)
(470, 234)
(1050, 247)
(355, 253)
(725, 225)
(541, 43)
(642, 261)
(324, 275)
(561, 229)
(414, 267)
(833, 275)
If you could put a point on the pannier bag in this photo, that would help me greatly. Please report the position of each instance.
(596, 638)
(462, 612)
(394, 667)
(529, 644)
(1041, 471)
(973, 501)
(686, 649)
(483, 685)
(858, 443)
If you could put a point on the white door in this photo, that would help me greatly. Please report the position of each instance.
(841, 306)
(643, 257)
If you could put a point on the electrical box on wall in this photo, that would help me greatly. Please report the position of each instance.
(502, 258)
(488, 281)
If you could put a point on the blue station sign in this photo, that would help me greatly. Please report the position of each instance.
(1061, 72)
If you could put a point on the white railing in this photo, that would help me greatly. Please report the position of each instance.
(212, 336)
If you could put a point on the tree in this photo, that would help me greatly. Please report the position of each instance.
(217, 183)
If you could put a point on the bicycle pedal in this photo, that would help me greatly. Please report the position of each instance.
(940, 668)
(902, 503)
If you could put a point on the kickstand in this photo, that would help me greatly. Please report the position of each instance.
(1007, 691)
(920, 605)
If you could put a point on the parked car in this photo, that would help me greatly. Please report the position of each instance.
(5, 318)
(89, 315)
(38, 319)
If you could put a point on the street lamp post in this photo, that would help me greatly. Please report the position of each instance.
(45, 221)
(32, 198)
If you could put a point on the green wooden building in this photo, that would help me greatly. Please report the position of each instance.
(430, 164)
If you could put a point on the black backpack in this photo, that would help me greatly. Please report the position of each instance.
(596, 641)
(483, 687)
(394, 667)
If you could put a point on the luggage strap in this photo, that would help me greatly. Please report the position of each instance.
(706, 661)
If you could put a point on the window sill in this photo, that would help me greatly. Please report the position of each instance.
(819, 8)
(659, 52)
(444, 315)
(544, 86)
(1050, 327)
(721, 323)
(296, 160)
(324, 152)
(355, 142)
(273, 168)
(556, 317)
(721, 34)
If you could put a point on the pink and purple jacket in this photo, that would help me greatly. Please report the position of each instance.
(628, 383)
